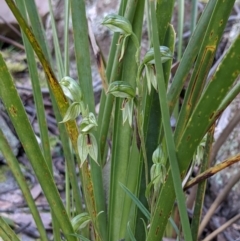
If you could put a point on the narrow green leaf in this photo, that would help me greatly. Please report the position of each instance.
(136, 201)
(130, 233)
(5, 229)
(18, 116)
(81, 237)
(16, 170)
(171, 151)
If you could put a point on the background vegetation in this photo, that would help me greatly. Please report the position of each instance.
(150, 160)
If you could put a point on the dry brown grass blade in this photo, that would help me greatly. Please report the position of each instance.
(212, 171)
(222, 195)
(222, 228)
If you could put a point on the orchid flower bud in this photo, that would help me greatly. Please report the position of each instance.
(73, 112)
(80, 221)
(88, 123)
(118, 24)
(127, 111)
(158, 169)
(87, 144)
(121, 89)
(148, 59)
(71, 89)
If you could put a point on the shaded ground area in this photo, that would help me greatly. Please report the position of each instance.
(12, 204)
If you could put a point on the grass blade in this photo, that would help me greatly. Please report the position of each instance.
(14, 106)
(136, 201)
(153, 232)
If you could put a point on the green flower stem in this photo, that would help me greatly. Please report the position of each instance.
(16, 170)
(134, 165)
(169, 40)
(180, 28)
(194, 13)
(109, 67)
(115, 75)
(80, 28)
(7, 232)
(202, 186)
(118, 212)
(151, 108)
(66, 36)
(154, 228)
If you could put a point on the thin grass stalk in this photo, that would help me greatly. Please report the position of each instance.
(40, 35)
(202, 186)
(180, 28)
(81, 44)
(37, 94)
(37, 27)
(196, 129)
(167, 36)
(60, 99)
(66, 37)
(129, 72)
(16, 170)
(151, 108)
(62, 105)
(133, 179)
(10, 235)
(67, 147)
(4, 236)
(119, 167)
(57, 49)
(189, 56)
(109, 68)
(16, 112)
(40, 111)
(169, 40)
(107, 110)
(194, 13)
(67, 193)
(149, 29)
(169, 140)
